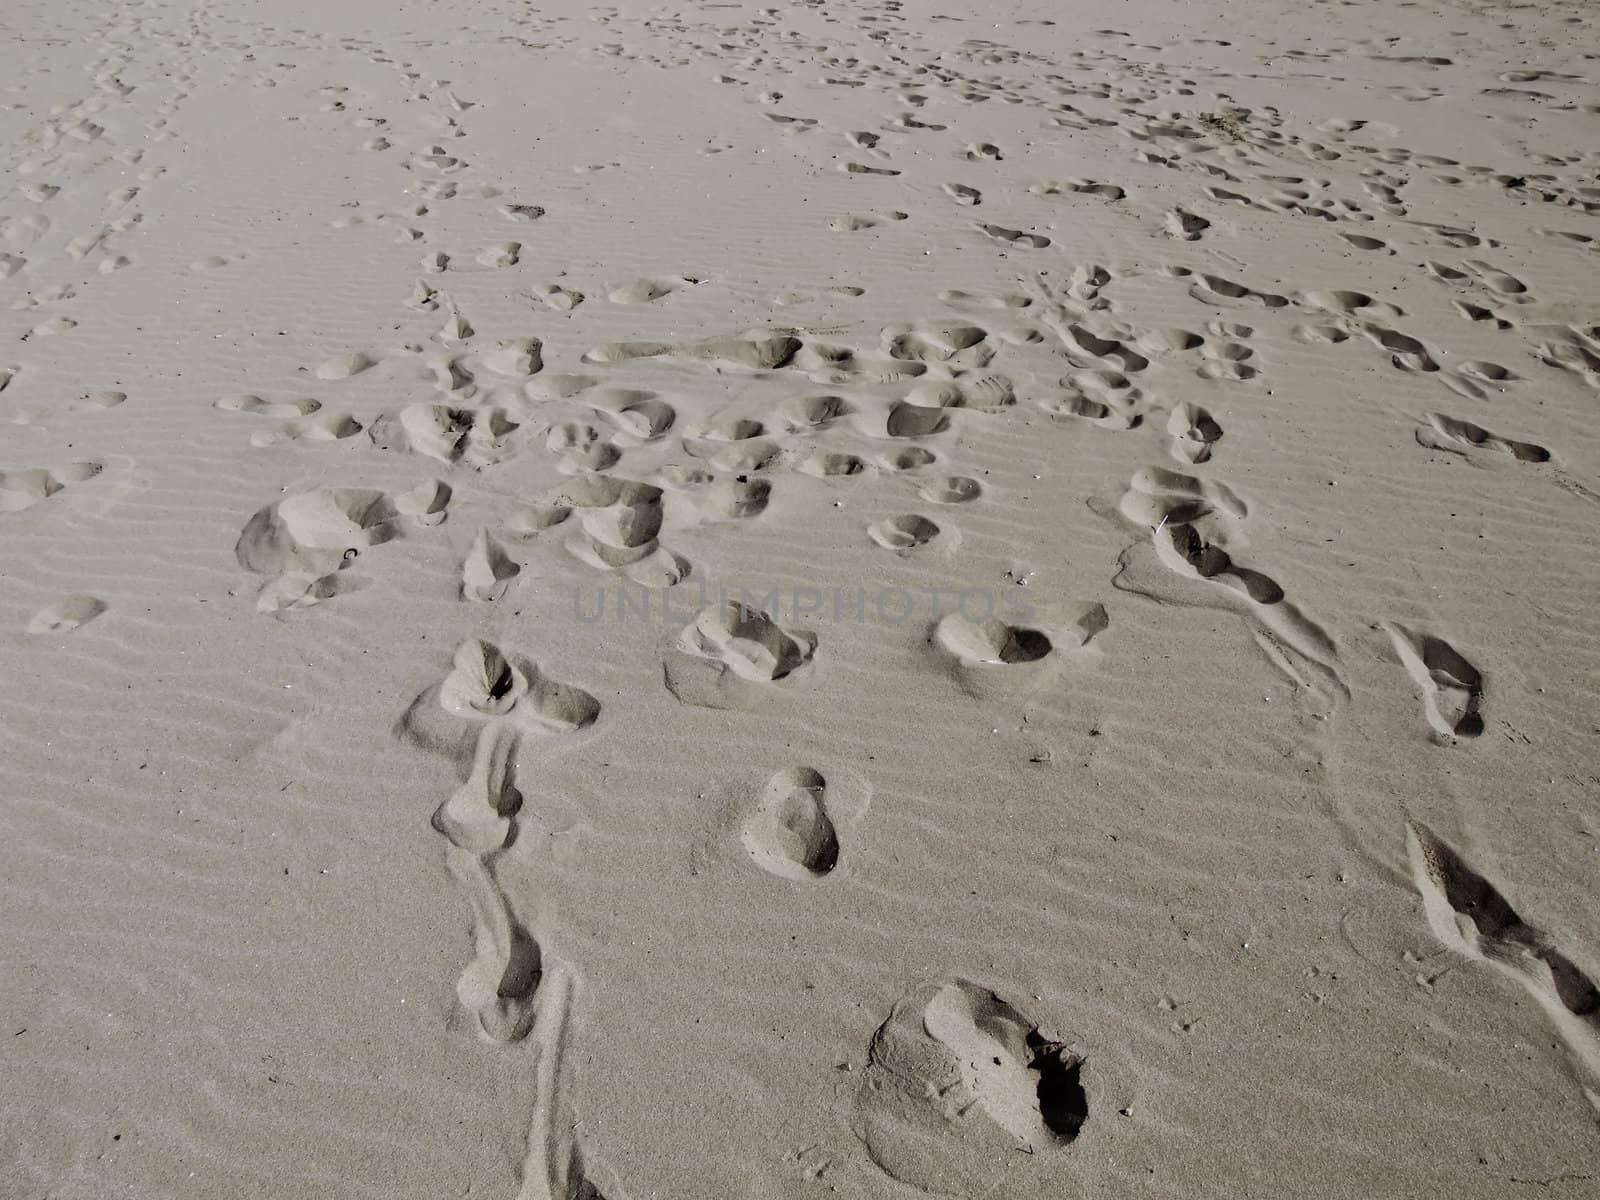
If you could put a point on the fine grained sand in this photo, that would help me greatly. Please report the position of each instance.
(718, 601)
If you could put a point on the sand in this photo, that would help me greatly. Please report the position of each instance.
(711, 600)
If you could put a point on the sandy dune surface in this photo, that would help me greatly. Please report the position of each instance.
(705, 600)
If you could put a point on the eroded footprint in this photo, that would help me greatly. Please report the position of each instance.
(66, 615)
(25, 488)
(962, 298)
(305, 539)
(643, 291)
(280, 409)
(957, 1080)
(733, 656)
(344, 366)
(553, 295)
(952, 489)
(855, 222)
(322, 427)
(446, 432)
(1463, 437)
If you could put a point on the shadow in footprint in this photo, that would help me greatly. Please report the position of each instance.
(1469, 915)
(1452, 688)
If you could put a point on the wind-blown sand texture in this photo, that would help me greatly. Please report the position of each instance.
(708, 600)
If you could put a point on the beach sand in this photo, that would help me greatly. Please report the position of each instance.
(706, 600)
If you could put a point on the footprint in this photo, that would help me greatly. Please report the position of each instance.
(855, 222)
(499, 986)
(1087, 349)
(1185, 226)
(1193, 432)
(344, 366)
(758, 353)
(499, 255)
(814, 295)
(643, 291)
(734, 656)
(907, 420)
(456, 329)
(66, 615)
(477, 816)
(1495, 279)
(473, 436)
(85, 402)
(903, 534)
(487, 571)
(580, 448)
(1215, 290)
(1463, 437)
(907, 121)
(516, 358)
(1325, 335)
(1347, 303)
(957, 298)
(1081, 187)
(323, 427)
(1488, 372)
(638, 416)
(1013, 237)
(25, 488)
(991, 643)
(952, 489)
(554, 296)
(1470, 916)
(933, 343)
(617, 530)
(959, 1079)
(486, 683)
(962, 194)
(283, 409)
(1405, 352)
(1157, 496)
(624, 536)
(990, 657)
(520, 212)
(912, 458)
(789, 832)
(310, 535)
(1452, 688)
